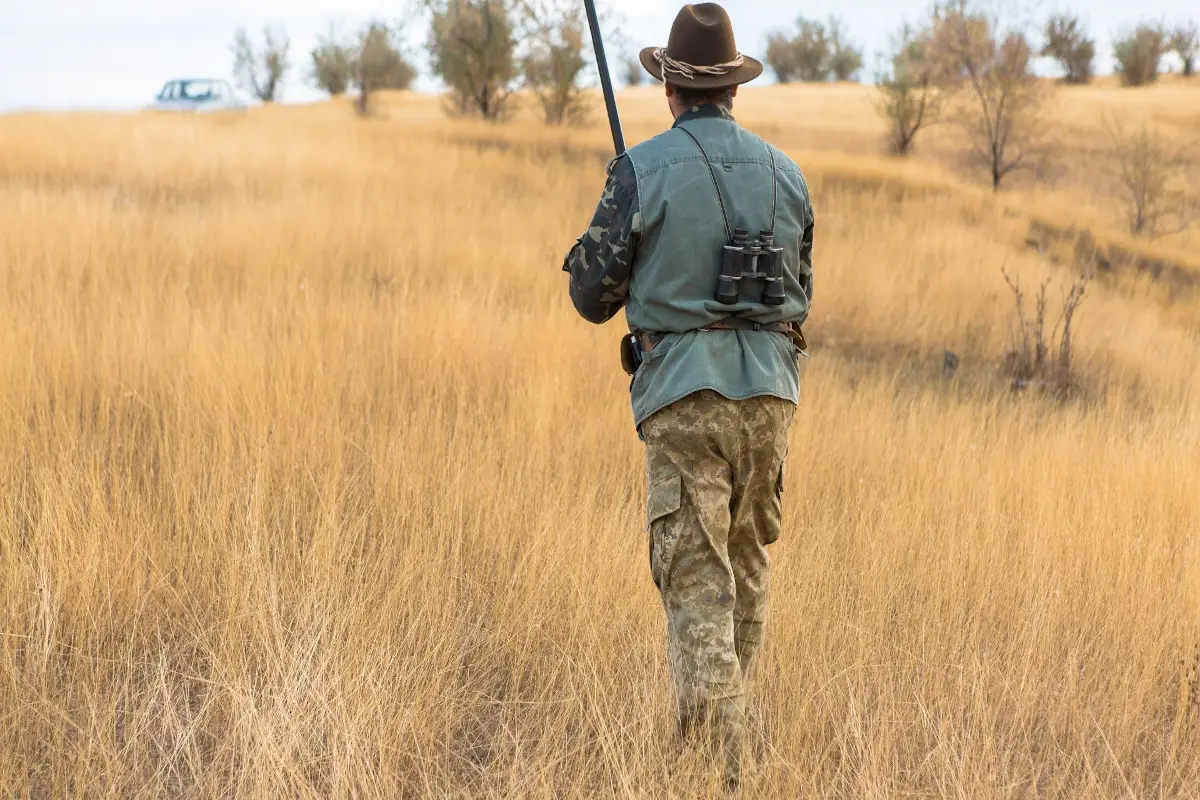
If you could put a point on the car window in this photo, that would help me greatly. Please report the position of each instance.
(169, 92)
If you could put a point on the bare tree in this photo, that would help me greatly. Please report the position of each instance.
(332, 64)
(1152, 180)
(260, 70)
(1185, 41)
(472, 47)
(1067, 43)
(555, 59)
(1139, 53)
(997, 100)
(909, 98)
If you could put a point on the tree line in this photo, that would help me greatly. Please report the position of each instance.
(971, 68)
(966, 65)
(484, 51)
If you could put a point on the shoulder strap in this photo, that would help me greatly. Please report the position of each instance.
(713, 174)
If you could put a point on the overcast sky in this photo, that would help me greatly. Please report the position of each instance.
(117, 53)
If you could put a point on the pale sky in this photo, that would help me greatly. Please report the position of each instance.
(60, 54)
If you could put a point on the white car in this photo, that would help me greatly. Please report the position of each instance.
(198, 94)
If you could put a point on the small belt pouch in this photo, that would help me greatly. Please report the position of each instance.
(631, 354)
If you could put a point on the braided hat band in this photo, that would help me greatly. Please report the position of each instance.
(690, 71)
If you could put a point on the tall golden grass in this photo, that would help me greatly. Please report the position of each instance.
(313, 485)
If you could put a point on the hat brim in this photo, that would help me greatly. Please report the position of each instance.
(747, 72)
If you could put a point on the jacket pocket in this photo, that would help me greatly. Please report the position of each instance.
(663, 502)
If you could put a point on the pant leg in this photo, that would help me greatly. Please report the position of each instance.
(688, 515)
(756, 516)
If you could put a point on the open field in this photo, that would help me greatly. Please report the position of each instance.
(312, 484)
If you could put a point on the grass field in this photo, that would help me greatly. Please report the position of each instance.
(312, 484)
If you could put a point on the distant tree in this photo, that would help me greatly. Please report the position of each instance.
(332, 64)
(260, 70)
(378, 63)
(472, 46)
(845, 59)
(1138, 55)
(781, 56)
(1068, 43)
(909, 98)
(555, 59)
(1185, 41)
(635, 75)
(811, 50)
(1151, 180)
(997, 100)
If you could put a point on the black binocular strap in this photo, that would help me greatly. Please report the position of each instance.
(713, 173)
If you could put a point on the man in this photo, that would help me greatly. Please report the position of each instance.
(713, 348)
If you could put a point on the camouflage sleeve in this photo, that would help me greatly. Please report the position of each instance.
(806, 259)
(601, 262)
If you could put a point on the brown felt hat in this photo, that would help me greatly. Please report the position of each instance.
(701, 53)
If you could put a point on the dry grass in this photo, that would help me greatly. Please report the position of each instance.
(312, 484)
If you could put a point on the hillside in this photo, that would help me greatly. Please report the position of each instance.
(315, 485)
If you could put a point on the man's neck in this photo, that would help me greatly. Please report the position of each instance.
(705, 111)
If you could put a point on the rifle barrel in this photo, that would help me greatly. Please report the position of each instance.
(610, 99)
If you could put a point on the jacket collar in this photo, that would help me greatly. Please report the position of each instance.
(709, 111)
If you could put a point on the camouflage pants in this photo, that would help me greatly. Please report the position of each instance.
(715, 472)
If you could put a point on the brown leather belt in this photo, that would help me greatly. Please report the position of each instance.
(650, 340)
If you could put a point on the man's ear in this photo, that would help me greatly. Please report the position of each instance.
(669, 89)
(733, 92)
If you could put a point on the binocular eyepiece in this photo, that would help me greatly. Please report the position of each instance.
(744, 259)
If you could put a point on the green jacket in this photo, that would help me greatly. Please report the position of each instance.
(655, 249)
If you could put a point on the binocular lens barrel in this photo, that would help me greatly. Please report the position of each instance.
(731, 273)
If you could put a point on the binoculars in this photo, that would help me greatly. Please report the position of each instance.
(751, 260)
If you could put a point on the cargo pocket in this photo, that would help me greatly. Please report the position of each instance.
(771, 534)
(663, 502)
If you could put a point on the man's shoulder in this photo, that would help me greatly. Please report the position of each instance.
(622, 174)
(653, 152)
(783, 160)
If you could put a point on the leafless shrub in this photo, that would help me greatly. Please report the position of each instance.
(997, 101)
(1138, 55)
(1185, 41)
(1068, 43)
(260, 69)
(472, 46)
(1029, 360)
(909, 98)
(555, 59)
(1151, 177)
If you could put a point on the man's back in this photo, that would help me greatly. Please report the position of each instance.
(691, 180)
